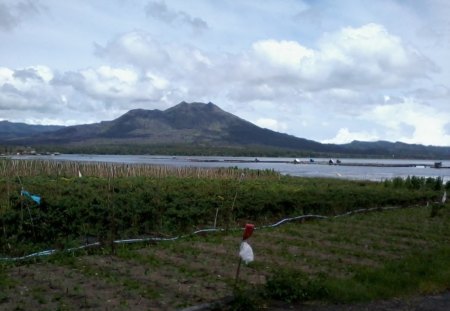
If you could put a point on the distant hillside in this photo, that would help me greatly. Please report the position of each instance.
(198, 128)
(10, 130)
(398, 149)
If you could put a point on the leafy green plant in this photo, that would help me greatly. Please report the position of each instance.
(78, 210)
(289, 285)
(435, 209)
(244, 299)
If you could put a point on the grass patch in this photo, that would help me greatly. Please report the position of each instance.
(414, 274)
(5, 281)
(420, 272)
(294, 286)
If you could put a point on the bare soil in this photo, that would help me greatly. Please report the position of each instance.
(194, 271)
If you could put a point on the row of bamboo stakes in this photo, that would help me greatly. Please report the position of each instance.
(29, 168)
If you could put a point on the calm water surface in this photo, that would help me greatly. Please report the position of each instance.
(283, 165)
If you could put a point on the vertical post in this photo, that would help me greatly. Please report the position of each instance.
(230, 214)
(238, 270)
(215, 218)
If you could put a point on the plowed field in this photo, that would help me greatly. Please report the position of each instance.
(172, 275)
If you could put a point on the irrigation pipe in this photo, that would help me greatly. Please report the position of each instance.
(208, 230)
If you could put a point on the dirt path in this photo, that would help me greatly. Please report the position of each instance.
(46, 286)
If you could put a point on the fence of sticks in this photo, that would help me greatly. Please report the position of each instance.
(24, 168)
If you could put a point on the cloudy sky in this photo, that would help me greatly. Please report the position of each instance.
(331, 71)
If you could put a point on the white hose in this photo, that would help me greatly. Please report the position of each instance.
(207, 230)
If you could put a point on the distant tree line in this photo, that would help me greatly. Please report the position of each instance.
(228, 150)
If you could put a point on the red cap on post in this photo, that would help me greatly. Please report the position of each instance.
(248, 231)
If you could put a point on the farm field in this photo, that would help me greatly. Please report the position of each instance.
(362, 257)
(401, 248)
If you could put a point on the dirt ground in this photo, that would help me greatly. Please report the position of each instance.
(198, 270)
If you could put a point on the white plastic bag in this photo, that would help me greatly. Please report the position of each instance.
(246, 252)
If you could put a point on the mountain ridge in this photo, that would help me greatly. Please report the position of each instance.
(198, 125)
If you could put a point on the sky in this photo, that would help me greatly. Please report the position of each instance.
(326, 70)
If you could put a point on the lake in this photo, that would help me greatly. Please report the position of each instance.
(286, 166)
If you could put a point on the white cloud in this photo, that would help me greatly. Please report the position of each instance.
(37, 93)
(27, 88)
(157, 81)
(25, 78)
(140, 49)
(375, 41)
(6, 75)
(126, 76)
(271, 124)
(289, 54)
(344, 136)
(429, 124)
(347, 62)
(340, 69)
(367, 56)
(136, 48)
(119, 86)
(183, 71)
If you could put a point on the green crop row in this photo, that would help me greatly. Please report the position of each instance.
(87, 208)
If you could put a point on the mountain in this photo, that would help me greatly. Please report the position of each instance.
(9, 130)
(397, 149)
(194, 123)
(195, 126)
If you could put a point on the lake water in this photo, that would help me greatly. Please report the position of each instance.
(283, 165)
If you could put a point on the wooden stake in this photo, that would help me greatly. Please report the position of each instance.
(236, 279)
(215, 219)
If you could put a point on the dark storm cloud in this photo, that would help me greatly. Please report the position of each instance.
(27, 74)
(13, 14)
